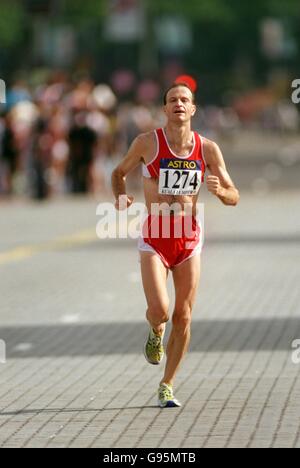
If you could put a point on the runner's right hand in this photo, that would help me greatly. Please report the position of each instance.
(123, 202)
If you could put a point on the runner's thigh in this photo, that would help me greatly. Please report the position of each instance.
(154, 276)
(186, 281)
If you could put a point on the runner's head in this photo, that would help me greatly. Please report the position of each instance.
(175, 86)
(179, 103)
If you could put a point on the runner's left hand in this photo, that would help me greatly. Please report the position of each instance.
(213, 185)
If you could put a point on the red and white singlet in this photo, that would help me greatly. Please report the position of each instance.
(177, 175)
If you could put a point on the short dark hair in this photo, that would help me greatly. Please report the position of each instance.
(177, 85)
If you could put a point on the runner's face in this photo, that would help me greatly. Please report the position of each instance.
(179, 107)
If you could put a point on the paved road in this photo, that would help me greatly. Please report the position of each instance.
(72, 317)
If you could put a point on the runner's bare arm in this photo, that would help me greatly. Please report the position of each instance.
(219, 182)
(132, 159)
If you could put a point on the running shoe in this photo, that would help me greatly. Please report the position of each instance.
(166, 398)
(153, 349)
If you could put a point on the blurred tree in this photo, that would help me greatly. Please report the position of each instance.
(225, 11)
(227, 50)
(208, 10)
(280, 9)
(82, 11)
(226, 47)
(38, 6)
(11, 23)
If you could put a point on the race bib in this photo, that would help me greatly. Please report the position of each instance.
(179, 177)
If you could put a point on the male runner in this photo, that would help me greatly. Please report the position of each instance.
(174, 162)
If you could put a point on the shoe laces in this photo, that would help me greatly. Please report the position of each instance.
(155, 340)
(166, 392)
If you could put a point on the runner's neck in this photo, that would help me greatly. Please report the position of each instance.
(179, 136)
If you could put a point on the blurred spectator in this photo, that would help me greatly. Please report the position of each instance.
(40, 159)
(82, 141)
(8, 155)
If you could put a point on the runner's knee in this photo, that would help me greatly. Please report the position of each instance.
(182, 317)
(158, 313)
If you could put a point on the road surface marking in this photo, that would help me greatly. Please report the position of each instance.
(67, 242)
(24, 252)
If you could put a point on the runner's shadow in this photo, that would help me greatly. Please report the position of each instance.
(119, 338)
(73, 410)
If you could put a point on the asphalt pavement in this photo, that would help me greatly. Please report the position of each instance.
(72, 319)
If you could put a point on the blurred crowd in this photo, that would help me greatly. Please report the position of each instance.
(64, 137)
